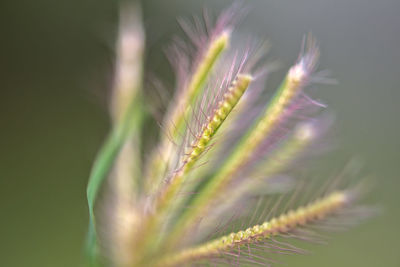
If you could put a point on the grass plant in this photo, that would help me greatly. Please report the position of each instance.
(221, 146)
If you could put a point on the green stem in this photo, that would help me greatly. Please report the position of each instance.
(102, 166)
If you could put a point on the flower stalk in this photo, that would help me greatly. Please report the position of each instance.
(294, 82)
(127, 115)
(285, 223)
(164, 200)
(156, 217)
(175, 120)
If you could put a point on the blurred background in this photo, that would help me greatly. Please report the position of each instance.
(56, 61)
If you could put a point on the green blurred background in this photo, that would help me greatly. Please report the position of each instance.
(55, 70)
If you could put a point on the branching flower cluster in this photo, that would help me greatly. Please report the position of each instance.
(211, 191)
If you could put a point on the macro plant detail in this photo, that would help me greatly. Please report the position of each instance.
(211, 191)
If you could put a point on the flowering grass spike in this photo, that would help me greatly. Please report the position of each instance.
(207, 192)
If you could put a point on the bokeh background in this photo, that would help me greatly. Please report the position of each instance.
(55, 69)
